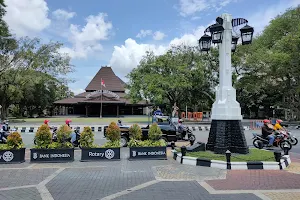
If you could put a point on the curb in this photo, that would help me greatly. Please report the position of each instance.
(186, 160)
(100, 128)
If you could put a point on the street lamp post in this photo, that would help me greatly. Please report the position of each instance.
(226, 131)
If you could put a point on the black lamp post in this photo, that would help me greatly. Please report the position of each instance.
(226, 131)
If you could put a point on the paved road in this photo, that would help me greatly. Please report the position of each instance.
(200, 135)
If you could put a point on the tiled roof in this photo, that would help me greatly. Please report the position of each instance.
(111, 81)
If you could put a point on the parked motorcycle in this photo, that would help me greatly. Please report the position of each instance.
(280, 141)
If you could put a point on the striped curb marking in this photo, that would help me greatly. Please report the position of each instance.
(186, 160)
(96, 128)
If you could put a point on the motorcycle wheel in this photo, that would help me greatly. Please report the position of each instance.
(285, 142)
(258, 144)
(192, 138)
(293, 140)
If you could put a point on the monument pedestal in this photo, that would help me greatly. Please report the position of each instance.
(227, 132)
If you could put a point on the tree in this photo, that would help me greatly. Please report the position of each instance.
(182, 75)
(30, 64)
(270, 70)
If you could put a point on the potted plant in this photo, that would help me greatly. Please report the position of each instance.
(13, 151)
(109, 151)
(46, 150)
(152, 148)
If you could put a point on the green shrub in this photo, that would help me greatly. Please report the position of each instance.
(113, 132)
(110, 144)
(14, 141)
(135, 132)
(54, 145)
(43, 137)
(87, 138)
(63, 134)
(146, 143)
(154, 132)
(4, 147)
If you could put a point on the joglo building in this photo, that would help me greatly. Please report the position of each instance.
(113, 100)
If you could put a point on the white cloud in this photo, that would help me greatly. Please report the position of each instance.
(77, 90)
(127, 56)
(144, 33)
(61, 14)
(27, 17)
(158, 35)
(190, 7)
(262, 18)
(87, 39)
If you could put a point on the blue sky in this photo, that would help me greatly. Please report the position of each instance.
(96, 33)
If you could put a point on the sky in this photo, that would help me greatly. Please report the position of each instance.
(117, 33)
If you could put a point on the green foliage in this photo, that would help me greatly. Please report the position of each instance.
(43, 137)
(135, 132)
(182, 75)
(87, 138)
(147, 143)
(269, 69)
(155, 132)
(57, 145)
(63, 133)
(110, 144)
(31, 74)
(3, 147)
(14, 141)
(113, 132)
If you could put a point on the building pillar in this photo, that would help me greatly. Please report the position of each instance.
(117, 110)
(86, 110)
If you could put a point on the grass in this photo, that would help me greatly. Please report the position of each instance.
(142, 119)
(254, 155)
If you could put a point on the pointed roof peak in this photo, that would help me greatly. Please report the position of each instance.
(111, 81)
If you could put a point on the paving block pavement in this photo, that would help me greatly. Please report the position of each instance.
(180, 190)
(257, 180)
(21, 194)
(281, 196)
(22, 177)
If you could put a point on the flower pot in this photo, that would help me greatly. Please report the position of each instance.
(12, 156)
(51, 155)
(104, 154)
(148, 153)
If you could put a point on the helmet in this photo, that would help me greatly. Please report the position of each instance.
(266, 121)
(180, 121)
(68, 121)
(46, 121)
(119, 121)
(279, 121)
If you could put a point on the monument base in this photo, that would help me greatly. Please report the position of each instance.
(227, 135)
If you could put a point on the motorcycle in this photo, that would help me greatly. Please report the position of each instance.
(76, 143)
(280, 141)
(190, 136)
(5, 134)
(292, 139)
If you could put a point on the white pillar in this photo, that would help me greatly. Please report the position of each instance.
(226, 107)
